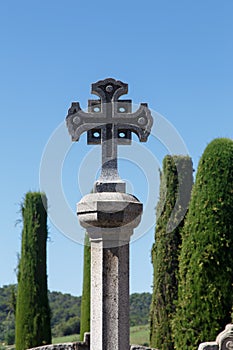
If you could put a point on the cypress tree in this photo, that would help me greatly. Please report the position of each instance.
(32, 308)
(205, 293)
(85, 305)
(175, 189)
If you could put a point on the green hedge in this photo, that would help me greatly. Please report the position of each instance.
(175, 189)
(32, 308)
(85, 305)
(205, 291)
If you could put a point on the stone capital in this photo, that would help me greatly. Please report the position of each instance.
(109, 210)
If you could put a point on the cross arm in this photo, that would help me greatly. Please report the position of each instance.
(140, 122)
(78, 121)
(109, 110)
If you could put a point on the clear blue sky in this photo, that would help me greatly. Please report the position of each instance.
(175, 55)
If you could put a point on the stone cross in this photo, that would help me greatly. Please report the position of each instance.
(109, 122)
(109, 215)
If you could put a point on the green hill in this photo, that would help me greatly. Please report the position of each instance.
(65, 310)
(139, 308)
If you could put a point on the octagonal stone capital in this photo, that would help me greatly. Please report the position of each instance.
(109, 210)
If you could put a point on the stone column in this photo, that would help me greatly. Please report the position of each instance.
(109, 215)
(109, 218)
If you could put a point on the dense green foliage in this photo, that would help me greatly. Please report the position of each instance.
(139, 308)
(32, 308)
(175, 189)
(85, 306)
(7, 314)
(205, 293)
(66, 311)
(65, 314)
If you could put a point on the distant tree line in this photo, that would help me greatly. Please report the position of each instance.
(65, 312)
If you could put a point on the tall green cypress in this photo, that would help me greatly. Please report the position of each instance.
(85, 305)
(32, 308)
(205, 292)
(175, 189)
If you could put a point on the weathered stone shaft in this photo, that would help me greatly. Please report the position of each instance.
(109, 297)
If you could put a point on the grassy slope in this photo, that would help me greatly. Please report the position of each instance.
(138, 335)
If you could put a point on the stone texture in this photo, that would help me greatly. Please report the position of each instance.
(140, 347)
(109, 122)
(208, 346)
(109, 218)
(84, 345)
(109, 297)
(109, 215)
(109, 210)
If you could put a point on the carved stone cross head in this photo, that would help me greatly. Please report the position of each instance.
(109, 122)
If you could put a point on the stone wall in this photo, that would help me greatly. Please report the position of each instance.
(82, 345)
(64, 346)
(140, 347)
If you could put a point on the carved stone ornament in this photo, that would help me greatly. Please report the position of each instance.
(224, 341)
(109, 122)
